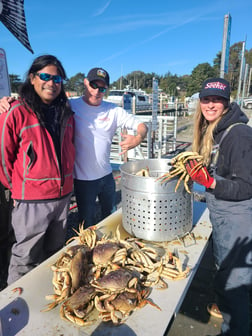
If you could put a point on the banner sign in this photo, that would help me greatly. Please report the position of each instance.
(13, 17)
(4, 76)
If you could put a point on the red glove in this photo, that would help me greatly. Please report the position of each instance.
(199, 175)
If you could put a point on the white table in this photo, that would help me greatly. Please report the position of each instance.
(21, 314)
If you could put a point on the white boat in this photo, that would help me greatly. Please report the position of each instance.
(119, 96)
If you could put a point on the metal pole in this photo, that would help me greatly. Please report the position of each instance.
(241, 72)
(249, 81)
(133, 105)
(225, 45)
(244, 83)
(154, 112)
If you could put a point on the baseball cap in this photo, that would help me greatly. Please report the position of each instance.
(98, 74)
(215, 87)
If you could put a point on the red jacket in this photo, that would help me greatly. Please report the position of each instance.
(29, 166)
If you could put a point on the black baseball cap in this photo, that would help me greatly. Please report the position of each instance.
(215, 87)
(98, 74)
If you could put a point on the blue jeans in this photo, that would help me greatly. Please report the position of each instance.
(86, 193)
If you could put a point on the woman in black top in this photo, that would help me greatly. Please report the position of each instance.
(224, 140)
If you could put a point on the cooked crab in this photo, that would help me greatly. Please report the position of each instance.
(178, 163)
(78, 307)
(143, 172)
(116, 281)
(117, 307)
(104, 254)
(68, 277)
(85, 236)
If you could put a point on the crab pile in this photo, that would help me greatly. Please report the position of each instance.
(109, 275)
(178, 168)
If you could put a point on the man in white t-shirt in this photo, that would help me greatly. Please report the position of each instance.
(96, 122)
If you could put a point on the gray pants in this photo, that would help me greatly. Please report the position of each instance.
(6, 234)
(40, 231)
(232, 247)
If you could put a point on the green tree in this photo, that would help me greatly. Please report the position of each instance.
(186, 85)
(183, 83)
(76, 84)
(217, 63)
(234, 66)
(200, 73)
(169, 84)
(15, 83)
(136, 80)
(248, 57)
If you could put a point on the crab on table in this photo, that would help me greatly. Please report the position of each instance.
(79, 306)
(113, 275)
(143, 258)
(85, 236)
(117, 281)
(69, 275)
(105, 254)
(117, 307)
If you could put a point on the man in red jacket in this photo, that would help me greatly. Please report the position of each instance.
(36, 163)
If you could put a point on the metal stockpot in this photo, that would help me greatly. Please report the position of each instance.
(151, 210)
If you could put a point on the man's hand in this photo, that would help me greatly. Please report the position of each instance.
(5, 104)
(129, 141)
(199, 175)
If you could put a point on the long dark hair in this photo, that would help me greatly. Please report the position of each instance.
(30, 97)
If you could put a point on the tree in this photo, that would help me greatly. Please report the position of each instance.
(136, 80)
(15, 83)
(200, 73)
(174, 85)
(76, 84)
(234, 65)
(217, 63)
(248, 56)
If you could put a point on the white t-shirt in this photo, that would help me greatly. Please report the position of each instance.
(95, 127)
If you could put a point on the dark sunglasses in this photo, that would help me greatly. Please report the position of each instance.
(101, 89)
(47, 77)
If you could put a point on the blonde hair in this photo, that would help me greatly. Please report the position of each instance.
(203, 134)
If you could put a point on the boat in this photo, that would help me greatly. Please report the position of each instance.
(128, 94)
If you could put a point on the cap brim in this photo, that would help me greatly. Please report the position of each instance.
(213, 92)
(98, 79)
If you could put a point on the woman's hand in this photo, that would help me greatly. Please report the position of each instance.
(200, 175)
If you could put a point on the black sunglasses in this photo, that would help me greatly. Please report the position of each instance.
(101, 89)
(47, 77)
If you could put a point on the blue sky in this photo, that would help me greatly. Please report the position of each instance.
(123, 36)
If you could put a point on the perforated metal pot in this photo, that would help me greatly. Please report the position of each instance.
(151, 210)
